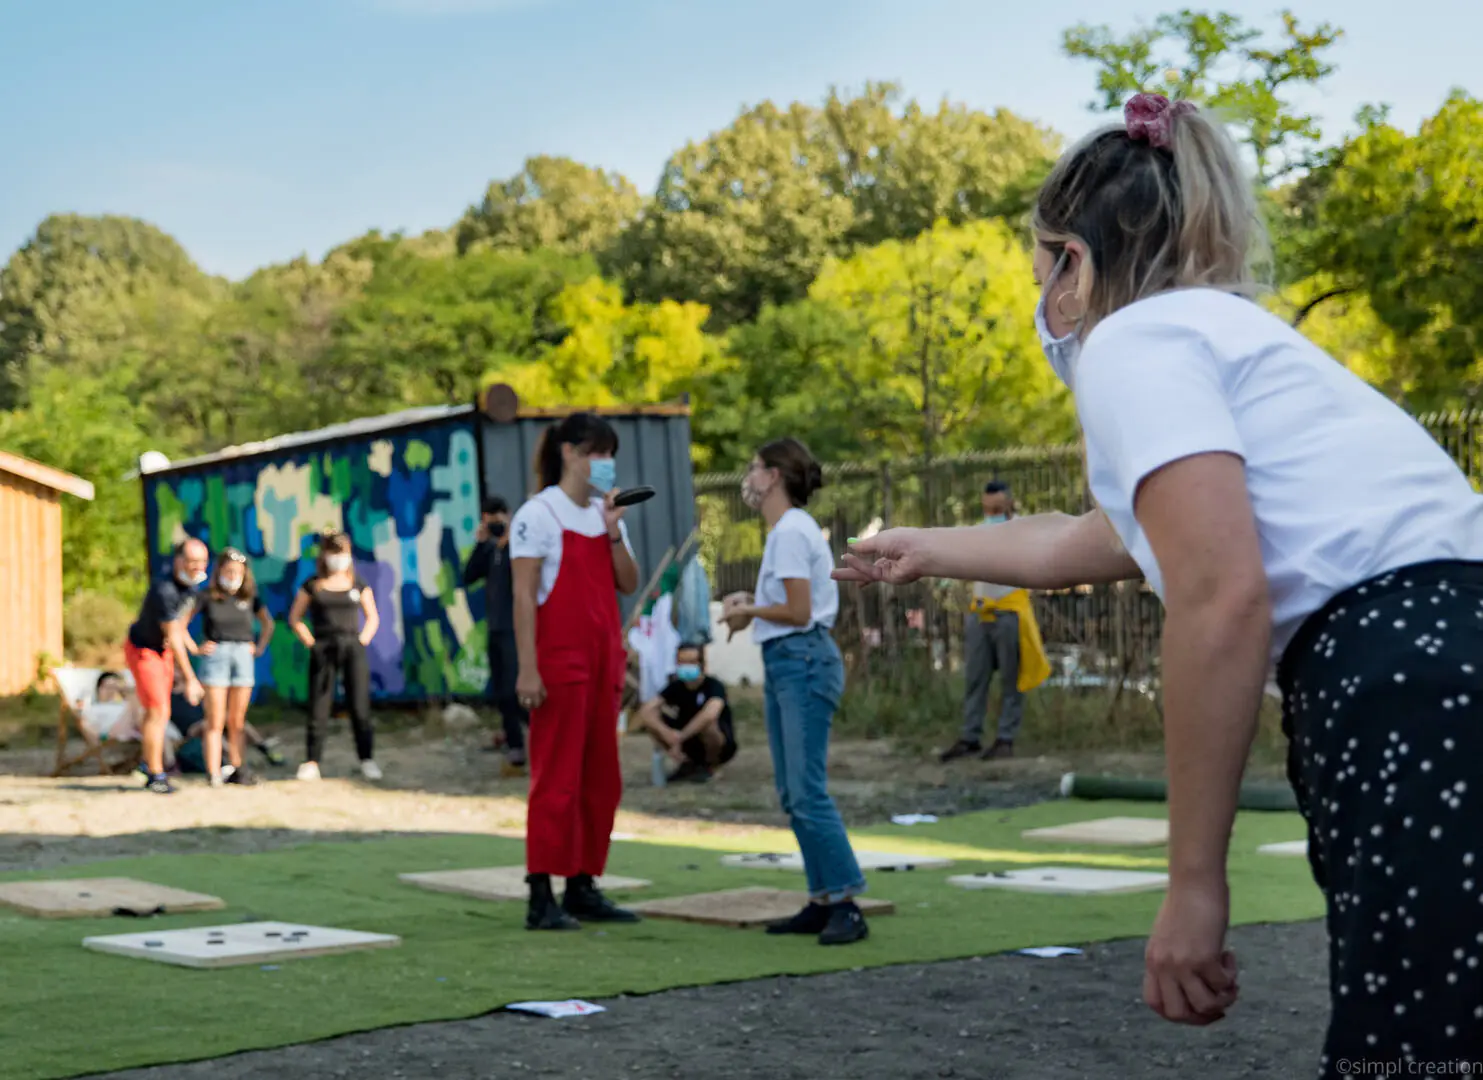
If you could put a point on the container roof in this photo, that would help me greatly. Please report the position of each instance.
(370, 425)
(46, 476)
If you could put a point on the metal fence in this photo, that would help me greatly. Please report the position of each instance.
(1095, 635)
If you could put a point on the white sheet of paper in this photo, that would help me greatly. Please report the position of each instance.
(557, 1010)
(991, 592)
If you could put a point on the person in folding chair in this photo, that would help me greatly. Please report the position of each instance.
(1288, 515)
(570, 557)
(157, 643)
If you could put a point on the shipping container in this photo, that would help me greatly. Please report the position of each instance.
(407, 488)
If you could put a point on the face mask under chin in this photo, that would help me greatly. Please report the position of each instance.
(231, 585)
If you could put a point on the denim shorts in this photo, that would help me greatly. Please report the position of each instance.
(231, 663)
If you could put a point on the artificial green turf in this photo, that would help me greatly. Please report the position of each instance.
(66, 1011)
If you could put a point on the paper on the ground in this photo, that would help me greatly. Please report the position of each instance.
(556, 1009)
(913, 819)
(1050, 952)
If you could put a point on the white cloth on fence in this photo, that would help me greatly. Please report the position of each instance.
(655, 639)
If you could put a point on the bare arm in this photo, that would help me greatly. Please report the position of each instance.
(625, 570)
(525, 577)
(1042, 551)
(709, 713)
(373, 616)
(795, 611)
(296, 618)
(266, 626)
(176, 636)
(1217, 628)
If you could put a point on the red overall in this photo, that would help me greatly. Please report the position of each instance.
(575, 779)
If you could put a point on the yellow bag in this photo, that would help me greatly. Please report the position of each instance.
(1034, 664)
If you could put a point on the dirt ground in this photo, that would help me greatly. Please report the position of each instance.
(991, 1018)
(1011, 1017)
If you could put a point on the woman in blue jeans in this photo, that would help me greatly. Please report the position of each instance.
(229, 650)
(791, 615)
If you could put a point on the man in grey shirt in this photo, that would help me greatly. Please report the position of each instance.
(490, 563)
(989, 646)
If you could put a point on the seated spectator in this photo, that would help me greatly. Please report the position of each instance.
(691, 719)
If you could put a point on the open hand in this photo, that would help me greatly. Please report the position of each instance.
(895, 557)
(1189, 977)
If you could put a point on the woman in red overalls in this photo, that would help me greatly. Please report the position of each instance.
(570, 557)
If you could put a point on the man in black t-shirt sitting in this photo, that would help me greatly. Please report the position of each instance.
(691, 719)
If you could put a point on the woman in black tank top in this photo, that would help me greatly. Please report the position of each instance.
(336, 600)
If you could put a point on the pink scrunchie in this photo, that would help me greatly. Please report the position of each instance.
(1150, 118)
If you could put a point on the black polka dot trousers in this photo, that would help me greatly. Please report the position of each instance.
(1383, 709)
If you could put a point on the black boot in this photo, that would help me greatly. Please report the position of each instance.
(544, 912)
(846, 925)
(583, 900)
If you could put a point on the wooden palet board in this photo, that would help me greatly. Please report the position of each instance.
(239, 943)
(502, 882)
(1111, 831)
(85, 898)
(742, 908)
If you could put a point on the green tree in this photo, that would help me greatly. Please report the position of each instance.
(82, 289)
(1216, 60)
(747, 217)
(427, 330)
(909, 349)
(1396, 216)
(89, 426)
(555, 203)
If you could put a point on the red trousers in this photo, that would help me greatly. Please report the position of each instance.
(575, 779)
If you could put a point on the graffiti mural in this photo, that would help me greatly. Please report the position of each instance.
(409, 501)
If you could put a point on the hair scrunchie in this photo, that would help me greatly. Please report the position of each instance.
(1150, 118)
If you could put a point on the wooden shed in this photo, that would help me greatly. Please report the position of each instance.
(31, 565)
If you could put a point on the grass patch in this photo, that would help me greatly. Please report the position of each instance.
(463, 957)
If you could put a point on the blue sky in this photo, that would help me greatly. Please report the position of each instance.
(259, 130)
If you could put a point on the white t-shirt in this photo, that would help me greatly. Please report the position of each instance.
(796, 549)
(536, 528)
(1343, 483)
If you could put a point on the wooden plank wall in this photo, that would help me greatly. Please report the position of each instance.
(30, 579)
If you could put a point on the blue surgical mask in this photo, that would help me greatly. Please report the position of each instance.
(688, 673)
(604, 474)
(1061, 352)
(995, 519)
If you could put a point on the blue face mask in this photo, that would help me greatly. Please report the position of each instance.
(688, 673)
(995, 519)
(604, 474)
(1061, 352)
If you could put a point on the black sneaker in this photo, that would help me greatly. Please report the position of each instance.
(543, 912)
(846, 925)
(811, 920)
(689, 773)
(585, 902)
(1001, 749)
(242, 776)
(160, 785)
(960, 749)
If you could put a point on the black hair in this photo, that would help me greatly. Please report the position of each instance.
(588, 432)
(496, 504)
(104, 677)
(695, 646)
(801, 474)
(996, 487)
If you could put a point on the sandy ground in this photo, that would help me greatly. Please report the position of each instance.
(996, 1017)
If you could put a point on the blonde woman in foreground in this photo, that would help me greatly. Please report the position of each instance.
(1288, 515)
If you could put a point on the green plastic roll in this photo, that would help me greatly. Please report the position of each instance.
(1252, 797)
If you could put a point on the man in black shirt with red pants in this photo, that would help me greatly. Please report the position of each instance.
(490, 563)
